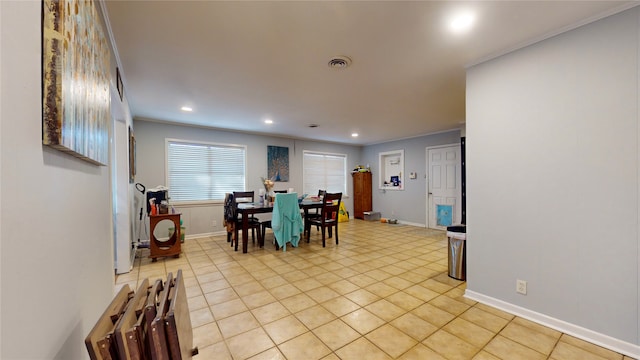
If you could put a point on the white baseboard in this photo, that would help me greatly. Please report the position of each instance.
(591, 336)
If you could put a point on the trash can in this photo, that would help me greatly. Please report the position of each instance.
(457, 251)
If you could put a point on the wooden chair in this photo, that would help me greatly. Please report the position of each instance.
(267, 223)
(315, 214)
(328, 216)
(128, 320)
(254, 223)
(100, 342)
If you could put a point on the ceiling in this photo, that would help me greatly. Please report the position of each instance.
(237, 63)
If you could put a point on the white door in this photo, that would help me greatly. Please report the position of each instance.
(444, 191)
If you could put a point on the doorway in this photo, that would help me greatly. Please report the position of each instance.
(444, 189)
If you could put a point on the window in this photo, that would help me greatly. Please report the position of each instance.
(324, 171)
(204, 171)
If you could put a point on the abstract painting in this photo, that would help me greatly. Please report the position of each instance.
(278, 163)
(75, 80)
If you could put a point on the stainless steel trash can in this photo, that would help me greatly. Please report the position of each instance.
(457, 236)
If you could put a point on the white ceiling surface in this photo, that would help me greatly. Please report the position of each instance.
(237, 63)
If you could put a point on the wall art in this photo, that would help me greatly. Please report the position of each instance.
(75, 80)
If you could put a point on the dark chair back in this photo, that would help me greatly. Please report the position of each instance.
(330, 207)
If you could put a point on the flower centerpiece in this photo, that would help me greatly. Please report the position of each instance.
(268, 187)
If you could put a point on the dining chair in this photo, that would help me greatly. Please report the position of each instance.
(316, 212)
(267, 222)
(254, 223)
(286, 221)
(328, 216)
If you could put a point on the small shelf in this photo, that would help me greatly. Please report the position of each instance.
(391, 170)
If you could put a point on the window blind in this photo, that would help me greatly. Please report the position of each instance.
(324, 171)
(201, 171)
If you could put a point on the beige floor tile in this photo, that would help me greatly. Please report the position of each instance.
(421, 292)
(537, 327)
(600, 351)
(284, 291)
(284, 329)
(214, 285)
(229, 308)
(484, 319)
(531, 338)
(362, 349)
(248, 344)
(315, 316)
(270, 312)
(259, 299)
(362, 297)
(216, 351)
(469, 332)
(363, 321)
(271, 354)
(306, 346)
(433, 315)
(307, 284)
(331, 356)
(322, 294)
(298, 302)
(274, 281)
(200, 317)
(483, 355)
(421, 352)
(197, 302)
(343, 287)
(404, 300)
(566, 351)
(336, 334)
(449, 305)
(414, 326)
(385, 310)
(391, 340)
(504, 348)
(340, 306)
(237, 324)
(381, 289)
(206, 335)
(362, 280)
(494, 311)
(248, 288)
(450, 346)
(220, 296)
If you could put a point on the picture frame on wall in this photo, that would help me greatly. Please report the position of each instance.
(76, 80)
(278, 163)
(119, 84)
(132, 156)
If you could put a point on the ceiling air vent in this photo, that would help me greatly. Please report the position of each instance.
(339, 62)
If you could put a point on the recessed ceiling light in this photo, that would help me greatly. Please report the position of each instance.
(268, 121)
(354, 135)
(186, 108)
(462, 22)
(313, 125)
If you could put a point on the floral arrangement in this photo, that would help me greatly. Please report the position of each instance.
(268, 184)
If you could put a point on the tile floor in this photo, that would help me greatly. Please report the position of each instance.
(382, 293)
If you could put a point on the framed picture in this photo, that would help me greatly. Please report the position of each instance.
(132, 156)
(76, 78)
(278, 163)
(119, 84)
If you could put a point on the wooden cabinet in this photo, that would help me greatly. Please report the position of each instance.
(361, 194)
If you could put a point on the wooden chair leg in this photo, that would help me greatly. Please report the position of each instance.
(336, 233)
(323, 231)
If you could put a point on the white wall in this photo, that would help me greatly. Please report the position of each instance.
(552, 180)
(408, 205)
(56, 262)
(150, 152)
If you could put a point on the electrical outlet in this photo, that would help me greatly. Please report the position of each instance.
(521, 287)
(214, 223)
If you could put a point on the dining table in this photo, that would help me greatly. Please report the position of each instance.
(248, 209)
